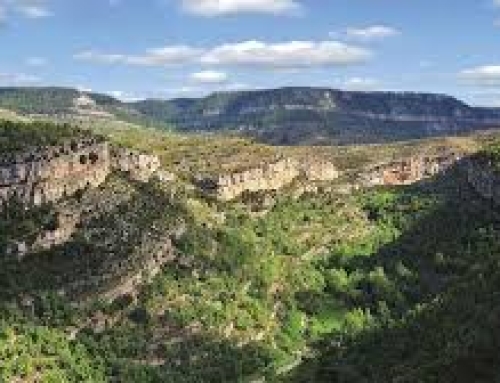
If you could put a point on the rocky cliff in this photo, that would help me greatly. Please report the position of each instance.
(47, 174)
(139, 166)
(408, 170)
(269, 176)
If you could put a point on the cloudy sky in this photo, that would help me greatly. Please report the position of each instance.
(171, 48)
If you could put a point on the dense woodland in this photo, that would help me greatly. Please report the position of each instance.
(20, 136)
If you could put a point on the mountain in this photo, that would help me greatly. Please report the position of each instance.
(48, 101)
(323, 116)
(287, 116)
(68, 104)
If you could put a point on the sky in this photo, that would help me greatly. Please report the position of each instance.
(135, 49)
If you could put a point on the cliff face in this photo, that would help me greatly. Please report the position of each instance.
(51, 173)
(48, 174)
(139, 166)
(271, 176)
(408, 171)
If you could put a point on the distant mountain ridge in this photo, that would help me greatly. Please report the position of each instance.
(282, 116)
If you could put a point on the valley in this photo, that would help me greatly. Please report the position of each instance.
(134, 253)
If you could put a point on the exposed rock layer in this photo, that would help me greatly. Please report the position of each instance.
(409, 170)
(270, 176)
(48, 174)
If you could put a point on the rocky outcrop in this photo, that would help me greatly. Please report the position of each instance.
(139, 166)
(64, 229)
(48, 174)
(269, 176)
(407, 171)
(318, 170)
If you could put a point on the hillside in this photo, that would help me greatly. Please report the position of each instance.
(144, 275)
(323, 116)
(287, 116)
(68, 104)
(449, 337)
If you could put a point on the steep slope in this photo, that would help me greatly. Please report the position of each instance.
(451, 336)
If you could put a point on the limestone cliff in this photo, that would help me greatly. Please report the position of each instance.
(51, 173)
(407, 170)
(139, 166)
(47, 174)
(269, 176)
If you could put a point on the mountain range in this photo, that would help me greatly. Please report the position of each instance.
(285, 116)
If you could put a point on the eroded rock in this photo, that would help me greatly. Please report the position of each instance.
(270, 176)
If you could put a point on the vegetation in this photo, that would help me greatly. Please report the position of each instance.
(36, 353)
(288, 116)
(37, 100)
(292, 116)
(387, 284)
(19, 136)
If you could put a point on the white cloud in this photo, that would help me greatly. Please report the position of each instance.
(175, 54)
(200, 90)
(17, 79)
(373, 32)
(288, 55)
(496, 3)
(488, 75)
(32, 9)
(211, 8)
(496, 23)
(100, 58)
(154, 57)
(34, 12)
(123, 96)
(361, 84)
(209, 77)
(36, 61)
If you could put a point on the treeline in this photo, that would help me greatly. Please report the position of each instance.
(51, 101)
(16, 136)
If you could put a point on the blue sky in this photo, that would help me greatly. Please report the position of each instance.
(171, 48)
